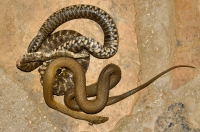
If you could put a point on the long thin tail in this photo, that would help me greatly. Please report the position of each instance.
(115, 99)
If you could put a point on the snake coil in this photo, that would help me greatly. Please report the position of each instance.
(67, 43)
(61, 75)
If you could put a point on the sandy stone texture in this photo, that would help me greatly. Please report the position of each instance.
(20, 24)
(153, 36)
(166, 37)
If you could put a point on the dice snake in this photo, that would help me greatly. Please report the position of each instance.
(61, 75)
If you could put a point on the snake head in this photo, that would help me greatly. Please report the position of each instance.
(26, 67)
(98, 120)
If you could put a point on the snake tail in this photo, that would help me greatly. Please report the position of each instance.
(118, 98)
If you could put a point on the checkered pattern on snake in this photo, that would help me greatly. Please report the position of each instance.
(46, 46)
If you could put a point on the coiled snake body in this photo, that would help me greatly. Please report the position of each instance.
(75, 45)
(72, 43)
(57, 76)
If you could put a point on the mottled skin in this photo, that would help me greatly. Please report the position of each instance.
(53, 47)
(76, 43)
(77, 46)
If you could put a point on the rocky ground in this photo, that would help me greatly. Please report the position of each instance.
(153, 36)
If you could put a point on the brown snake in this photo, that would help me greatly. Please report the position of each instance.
(111, 72)
(64, 77)
(44, 48)
(74, 45)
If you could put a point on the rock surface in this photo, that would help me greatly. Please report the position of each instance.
(154, 35)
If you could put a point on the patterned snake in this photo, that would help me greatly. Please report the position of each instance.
(65, 76)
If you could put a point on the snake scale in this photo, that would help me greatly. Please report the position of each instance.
(62, 75)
